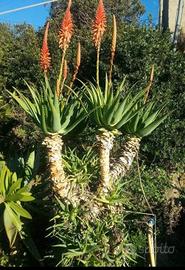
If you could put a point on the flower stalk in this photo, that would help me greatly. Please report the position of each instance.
(98, 29)
(147, 91)
(65, 72)
(78, 62)
(98, 66)
(113, 47)
(59, 80)
(65, 35)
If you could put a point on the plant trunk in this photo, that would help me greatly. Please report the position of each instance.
(105, 143)
(59, 183)
(127, 154)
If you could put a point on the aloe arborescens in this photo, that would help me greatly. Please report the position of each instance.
(105, 141)
(51, 111)
(111, 110)
(127, 153)
(145, 121)
(52, 142)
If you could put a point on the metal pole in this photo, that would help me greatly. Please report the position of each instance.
(159, 16)
(151, 245)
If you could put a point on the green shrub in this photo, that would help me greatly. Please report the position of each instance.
(13, 193)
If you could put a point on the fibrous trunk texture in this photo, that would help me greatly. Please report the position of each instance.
(59, 183)
(127, 153)
(105, 142)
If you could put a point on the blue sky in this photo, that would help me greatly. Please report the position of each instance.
(37, 16)
(152, 7)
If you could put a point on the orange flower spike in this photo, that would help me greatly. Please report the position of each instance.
(66, 29)
(45, 59)
(99, 24)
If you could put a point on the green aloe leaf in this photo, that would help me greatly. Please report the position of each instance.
(43, 118)
(150, 128)
(35, 96)
(97, 115)
(112, 110)
(133, 125)
(149, 109)
(126, 118)
(119, 113)
(92, 95)
(68, 116)
(121, 87)
(100, 96)
(100, 115)
(56, 103)
(80, 118)
(26, 105)
(47, 86)
(109, 99)
(107, 88)
(20, 102)
(31, 107)
(151, 118)
(133, 101)
(56, 126)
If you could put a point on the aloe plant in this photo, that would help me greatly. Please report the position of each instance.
(12, 193)
(55, 117)
(112, 108)
(144, 122)
(53, 113)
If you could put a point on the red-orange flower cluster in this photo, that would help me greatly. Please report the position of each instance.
(45, 59)
(66, 29)
(99, 24)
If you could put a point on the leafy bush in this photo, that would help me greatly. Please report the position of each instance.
(84, 243)
(13, 193)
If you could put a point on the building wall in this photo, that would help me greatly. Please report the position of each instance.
(168, 14)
